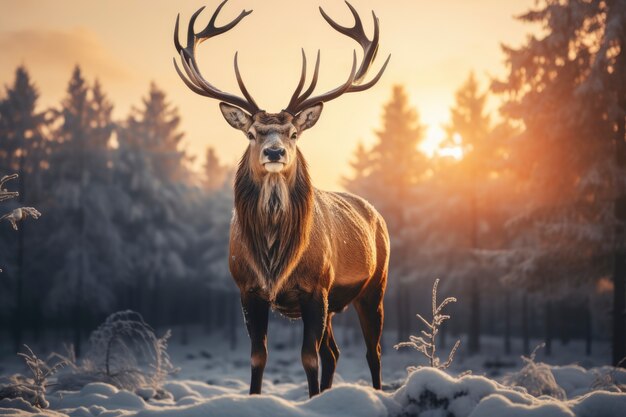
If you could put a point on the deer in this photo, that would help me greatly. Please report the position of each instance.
(297, 250)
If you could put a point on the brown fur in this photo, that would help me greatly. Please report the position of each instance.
(302, 251)
(315, 239)
(306, 252)
(273, 232)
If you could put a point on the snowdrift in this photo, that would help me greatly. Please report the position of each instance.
(426, 392)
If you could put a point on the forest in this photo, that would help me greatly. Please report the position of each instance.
(520, 212)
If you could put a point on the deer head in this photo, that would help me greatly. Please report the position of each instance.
(273, 136)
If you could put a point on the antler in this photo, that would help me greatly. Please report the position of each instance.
(194, 80)
(300, 102)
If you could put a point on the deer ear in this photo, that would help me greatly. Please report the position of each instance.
(308, 117)
(236, 117)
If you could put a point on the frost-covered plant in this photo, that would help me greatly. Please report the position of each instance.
(33, 388)
(124, 351)
(608, 380)
(428, 343)
(535, 377)
(19, 213)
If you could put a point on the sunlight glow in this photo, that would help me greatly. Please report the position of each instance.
(433, 144)
(434, 136)
(455, 151)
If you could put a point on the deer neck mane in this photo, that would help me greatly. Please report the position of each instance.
(275, 216)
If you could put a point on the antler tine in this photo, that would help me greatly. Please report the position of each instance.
(330, 95)
(316, 72)
(188, 83)
(193, 78)
(212, 30)
(242, 86)
(370, 49)
(373, 81)
(191, 36)
(357, 33)
(296, 93)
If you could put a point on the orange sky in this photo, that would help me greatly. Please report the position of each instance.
(127, 44)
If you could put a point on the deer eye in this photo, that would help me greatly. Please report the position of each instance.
(250, 136)
(294, 135)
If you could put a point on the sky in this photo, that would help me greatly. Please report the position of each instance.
(128, 44)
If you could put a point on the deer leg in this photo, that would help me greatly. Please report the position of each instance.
(369, 307)
(314, 311)
(255, 311)
(329, 354)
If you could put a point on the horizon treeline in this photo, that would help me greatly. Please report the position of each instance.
(524, 224)
(125, 224)
(527, 227)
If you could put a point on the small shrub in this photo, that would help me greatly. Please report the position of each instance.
(608, 380)
(125, 352)
(428, 346)
(31, 389)
(536, 378)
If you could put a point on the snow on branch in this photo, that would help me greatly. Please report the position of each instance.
(17, 214)
(426, 344)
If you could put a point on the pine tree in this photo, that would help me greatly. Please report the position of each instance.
(387, 177)
(215, 174)
(149, 169)
(568, 86)
(360, 165)
(154, 127)
(22, 138)
(469, 121)
(85, 244)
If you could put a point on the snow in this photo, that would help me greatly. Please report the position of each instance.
(427, 392)
(213, 381)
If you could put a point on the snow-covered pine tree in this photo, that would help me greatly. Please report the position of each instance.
(568, 87)
(149, 170)
(215, 174)
(22, 129)
(469, 121)
(395, 167)
(155, 126)
(83, 247)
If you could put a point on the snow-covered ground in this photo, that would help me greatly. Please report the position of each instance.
(213, 381)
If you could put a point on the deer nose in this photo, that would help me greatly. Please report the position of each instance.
(274, 154)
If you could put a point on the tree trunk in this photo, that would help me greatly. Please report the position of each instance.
(233, 322)
(507, 322)
(548, 329)
(403, 314)
(619, 259)
(18, 320)
(207, 313)
(619, 305)
(474, 314)
(76, 329)
(525, 329)
(565, 330)
(474, 317)
(588, 328)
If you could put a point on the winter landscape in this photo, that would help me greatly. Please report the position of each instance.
(157, 262)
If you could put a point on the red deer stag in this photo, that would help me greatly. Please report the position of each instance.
(304, 252)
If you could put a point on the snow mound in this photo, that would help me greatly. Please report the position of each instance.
(426, 392)
(346, 400)
(434, 393)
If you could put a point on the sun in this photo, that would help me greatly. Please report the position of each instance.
(433, 146)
